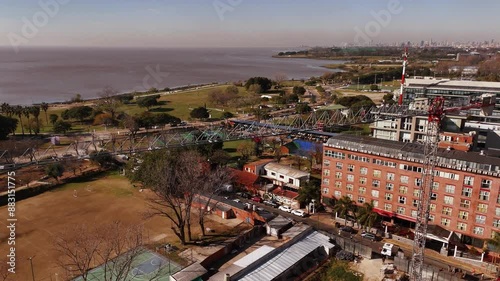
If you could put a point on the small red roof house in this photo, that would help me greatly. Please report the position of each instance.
(286, 197)
(257, 167)
(245, 180)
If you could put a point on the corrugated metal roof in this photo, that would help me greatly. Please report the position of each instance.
(288, 257)
(285, 170)
(190, 273)
(453, 83)
(254, 256)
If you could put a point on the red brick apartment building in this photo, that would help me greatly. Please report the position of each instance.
(465, 197)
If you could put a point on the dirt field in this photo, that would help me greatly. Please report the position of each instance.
(99, 201)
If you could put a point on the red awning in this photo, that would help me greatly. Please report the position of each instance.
(383, 213)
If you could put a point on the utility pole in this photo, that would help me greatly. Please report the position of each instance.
(32, 271)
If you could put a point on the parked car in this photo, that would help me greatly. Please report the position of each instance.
(271, 203)
(299, 213)
(369, 236)
(237, 200)
(285, 208)
(347, 229)
(257, 199)
(245, 195)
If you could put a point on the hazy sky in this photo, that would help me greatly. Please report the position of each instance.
(243, 23)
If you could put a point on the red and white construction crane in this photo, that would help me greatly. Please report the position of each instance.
(438, 108)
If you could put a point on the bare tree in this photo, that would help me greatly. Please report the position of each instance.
(114, 247)
(246, 149)
(211, 184)
(279, 78)
(171, 175)
(108, 102)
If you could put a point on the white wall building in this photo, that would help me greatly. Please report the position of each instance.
(282, 175)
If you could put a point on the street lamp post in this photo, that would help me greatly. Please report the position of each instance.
(32, 271)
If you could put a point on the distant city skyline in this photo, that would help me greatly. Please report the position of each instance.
(243, 23)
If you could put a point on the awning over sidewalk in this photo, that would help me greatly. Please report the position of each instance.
(383, 213)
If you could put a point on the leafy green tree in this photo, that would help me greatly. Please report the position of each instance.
(308, 192)
(148, 101)
(494, 243)
(255, 89)
(227, 114)
(374, 87)
(233, 90)
(301, 108)
(343, 207)
(355, 101)
(264, 83)
(18, 111)
(45, 106)
(55, 171)
(79, 113)
(299, 90)
(8, 126)
(6, 109)
(103, 159)
(388, 98)
(200, 113)
(53, 118)
(61, 127)
(367, 217)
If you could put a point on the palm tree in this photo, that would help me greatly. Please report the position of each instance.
(35, 110)
(6, 109)
(18, 110)
(45, 106)
(343, 207)
(27, 111)
(367, 216)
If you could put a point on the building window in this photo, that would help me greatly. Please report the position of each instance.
(272, 173)
(350, 196)
(387, 207)
(484, 195)
(434, 196)
(282, 177)
(402, 200)
(350, 187)
(389, 186)
(448, 200)
(468, 180)
(326, 163)
(376, 183)
(483, 208)
(415, 203)
(463, 215)
(464, 203)
(362, 180)
(326, 181)
(418, 182)
(445, 222)
(390, 176)
(497, 212)
(400, 210)
(290, 181)
(485, 183)
(388, 196)
(362, 190)
(449, 188)
(326, 172)
(446, 211)
(375, 203)
(338, 175)
(403, 189)
(339, 165)
(361, 199)
(363, 171)
(432, 207)
(350, 168)
(496, 223)
(462, 226)
(480, 219)
(435, 186)
(416, 192)
(467, 192)
(350, 178)
(326, 190)
(478, 230)
(414, 213)
(337, 194)
(405, 179)
(338, 184)
(377, 173)
(498, 199)
(431, 218)
(375, 193)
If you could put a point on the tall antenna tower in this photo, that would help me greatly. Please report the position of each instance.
(405, 63)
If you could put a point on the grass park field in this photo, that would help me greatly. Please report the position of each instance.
(99, 201)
